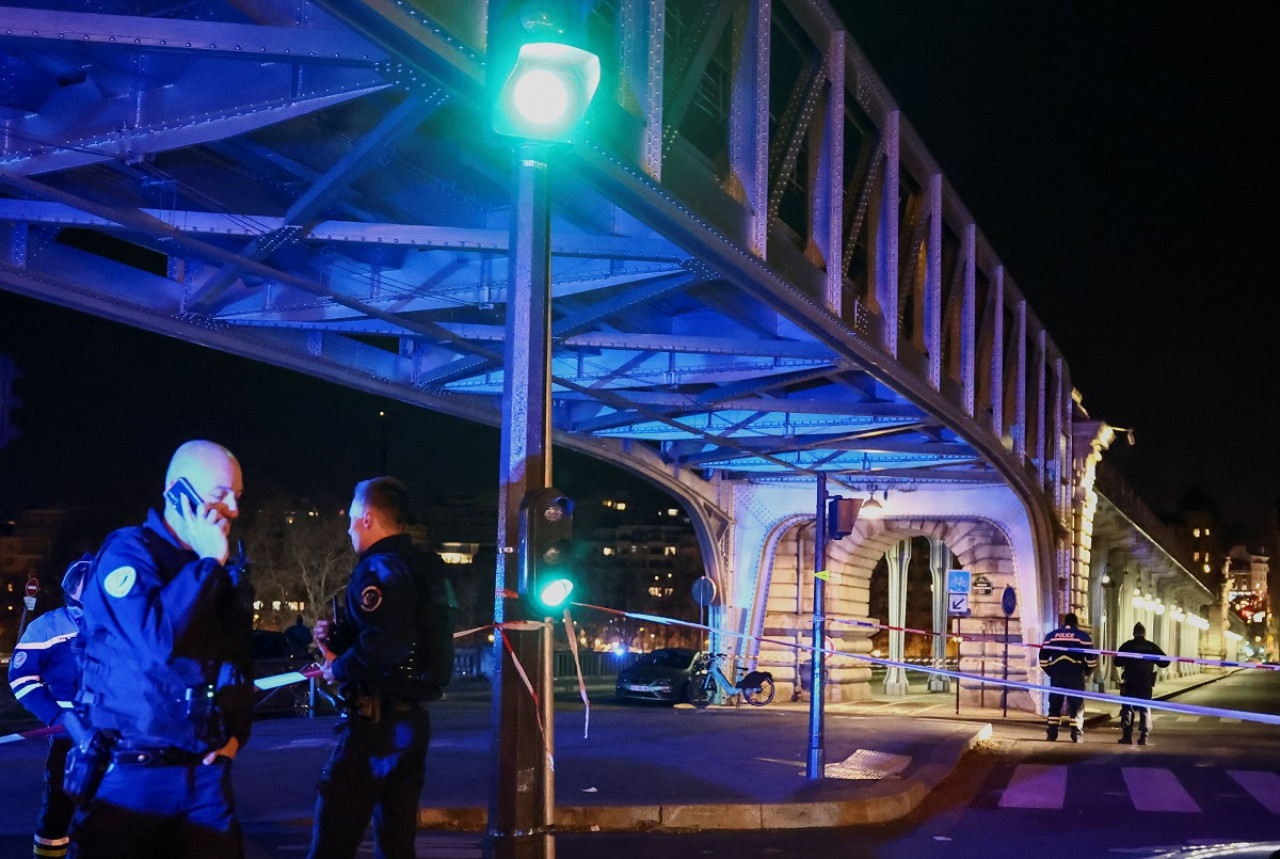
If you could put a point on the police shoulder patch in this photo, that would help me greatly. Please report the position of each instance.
(19, 658)
(119, 581)
(370, 598)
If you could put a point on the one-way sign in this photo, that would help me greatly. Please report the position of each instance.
(958, 605)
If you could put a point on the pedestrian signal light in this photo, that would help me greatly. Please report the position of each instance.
(546, 549)
(540, 74)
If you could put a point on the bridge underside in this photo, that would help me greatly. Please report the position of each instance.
(745, 292)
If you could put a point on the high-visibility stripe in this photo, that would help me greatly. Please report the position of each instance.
(1262, 786)
(45, 645)
(1156, 789)
(29, 684)
(1036, 786)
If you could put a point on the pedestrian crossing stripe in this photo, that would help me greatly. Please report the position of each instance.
(1156, 789)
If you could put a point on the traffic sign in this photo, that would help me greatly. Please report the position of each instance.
(1009, 601)
(958, 605)
(704, 591)
(33, 586)
(30, 603)
(958, 581)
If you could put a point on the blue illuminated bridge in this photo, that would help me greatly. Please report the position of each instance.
(759, 275)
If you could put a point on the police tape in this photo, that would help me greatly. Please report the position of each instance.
(977, 680)
(1127, 654)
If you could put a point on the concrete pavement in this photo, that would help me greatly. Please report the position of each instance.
(640, 768)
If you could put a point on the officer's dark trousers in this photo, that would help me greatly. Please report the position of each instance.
(56, 810)
(1075, 705)
(1129, 713)
(375, 772)
(160, 812)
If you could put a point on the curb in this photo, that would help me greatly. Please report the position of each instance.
(880, 802)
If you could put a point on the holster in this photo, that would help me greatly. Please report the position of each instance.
(87, 763)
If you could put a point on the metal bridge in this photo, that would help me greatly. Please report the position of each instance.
(759, 273)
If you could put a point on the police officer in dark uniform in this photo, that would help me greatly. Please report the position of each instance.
(44, 673)
(167, 673)
(1061, 657)
(1138, 680)
(381, 655)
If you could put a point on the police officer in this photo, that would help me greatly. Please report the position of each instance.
(381, 655)
(168, 628)
(1138, 680)
(1061, 658)
(43, 674)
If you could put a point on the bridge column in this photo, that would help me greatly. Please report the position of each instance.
(939, 555)
(897, 559)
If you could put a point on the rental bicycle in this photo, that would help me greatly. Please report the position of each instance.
(756, 687)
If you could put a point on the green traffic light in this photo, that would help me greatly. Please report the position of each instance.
(548, 91)
(555, 592)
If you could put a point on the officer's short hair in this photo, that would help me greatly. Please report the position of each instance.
(1139, 630)
(1071, 620)
(389, 497)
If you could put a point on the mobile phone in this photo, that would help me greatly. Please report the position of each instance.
(180, 489)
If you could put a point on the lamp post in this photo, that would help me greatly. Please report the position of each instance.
(540, 85)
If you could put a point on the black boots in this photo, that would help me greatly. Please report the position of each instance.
(1053, 733)
(1142, 739)
(1126, 738)
(1077, 735)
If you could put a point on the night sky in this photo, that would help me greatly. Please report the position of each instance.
(1116, 156)
(1120, 158)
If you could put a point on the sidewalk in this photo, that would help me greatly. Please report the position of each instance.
(744, 767)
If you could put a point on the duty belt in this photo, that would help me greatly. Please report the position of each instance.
(155, 757)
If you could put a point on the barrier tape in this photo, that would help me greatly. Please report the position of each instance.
(537, 702)
(577, 664)
(1151, 657)
(1189, 709)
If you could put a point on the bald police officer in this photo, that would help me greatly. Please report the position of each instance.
(167, 672)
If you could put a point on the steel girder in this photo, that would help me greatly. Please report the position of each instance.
(757, 267)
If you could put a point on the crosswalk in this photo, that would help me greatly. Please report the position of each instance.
(1147, 789)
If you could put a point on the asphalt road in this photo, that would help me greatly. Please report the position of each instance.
(1204, 780)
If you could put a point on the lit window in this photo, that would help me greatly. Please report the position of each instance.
(609, 503)
(275, 605)
(1206, 532)
(1196, 556)
(668, 550)
(672, 511)
(1195, 532)
(608, 550)
(621, 505)
(1206, 568)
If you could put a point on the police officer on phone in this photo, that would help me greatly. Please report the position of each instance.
(167, 689)
(391, 652)
(43, 674)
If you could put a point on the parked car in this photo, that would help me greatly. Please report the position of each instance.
(662, 675)
(274, 654)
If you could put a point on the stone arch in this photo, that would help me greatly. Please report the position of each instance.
(980, 546)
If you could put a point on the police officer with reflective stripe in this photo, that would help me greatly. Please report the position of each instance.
(43, 674)
(378, 656)
(1068, 668)
(167, 672)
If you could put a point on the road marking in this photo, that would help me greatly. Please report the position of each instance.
(1155, 789)
(1036, 786)
(1262, 786)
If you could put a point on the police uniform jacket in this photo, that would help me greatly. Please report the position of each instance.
(168, 645)
(1063, 664)
(44, 669)
(1139, 675)
(379, 645)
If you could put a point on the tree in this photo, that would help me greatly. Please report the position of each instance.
(301, 558)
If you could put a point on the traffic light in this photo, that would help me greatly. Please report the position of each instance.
(540, 75)
(546, 549)
(841, 514)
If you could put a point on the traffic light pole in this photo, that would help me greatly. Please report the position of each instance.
(815, 767)
(522, 795)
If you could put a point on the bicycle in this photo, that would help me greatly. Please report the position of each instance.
(756, 687)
